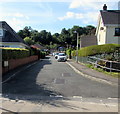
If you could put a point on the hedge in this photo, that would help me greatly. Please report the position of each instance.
(42, 54)
(96, 49)
(14, 53)
(68, 52)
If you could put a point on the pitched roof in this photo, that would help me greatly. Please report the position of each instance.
(110, 16)
(9, 35)
(37, 46)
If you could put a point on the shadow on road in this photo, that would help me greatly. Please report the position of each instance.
(23, 87)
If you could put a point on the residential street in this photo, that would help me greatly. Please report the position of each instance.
(48, 81)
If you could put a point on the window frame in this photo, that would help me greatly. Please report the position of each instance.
(1, 32)
(117, 31)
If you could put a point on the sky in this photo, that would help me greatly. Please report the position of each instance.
(52, 15)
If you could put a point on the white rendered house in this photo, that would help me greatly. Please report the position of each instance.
(108, 28)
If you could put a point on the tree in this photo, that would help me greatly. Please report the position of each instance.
(90, 29)
(28, 40)
(26, 32)
(35, 35)
(21, 34)
(67, 37)
(48, 38)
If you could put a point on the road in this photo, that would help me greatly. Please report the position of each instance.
(48, 80)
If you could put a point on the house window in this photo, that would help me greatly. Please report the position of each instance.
(117, 31)
(1, 32)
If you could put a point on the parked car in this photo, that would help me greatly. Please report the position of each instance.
(61, 57)
(56, 55)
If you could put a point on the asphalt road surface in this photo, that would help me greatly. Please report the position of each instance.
(51, 79)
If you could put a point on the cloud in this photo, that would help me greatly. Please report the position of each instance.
(70, 15)
(16, 20)
(86, 4)
(16, 24)
(85, 18)
(18, 15)
(90, 4)
(89, 16)
(35, 0)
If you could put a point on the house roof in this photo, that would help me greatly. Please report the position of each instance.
(37, 46)
(88, 40)
(110, 16)
(9, 35)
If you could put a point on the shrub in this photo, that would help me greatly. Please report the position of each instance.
(14, 53)
(73, 53)
(68, 52)
(42, 54)
(97, 49)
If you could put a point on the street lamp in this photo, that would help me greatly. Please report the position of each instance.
(77, 46)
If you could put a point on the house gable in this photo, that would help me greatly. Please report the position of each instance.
(9, 36)
(108, 22)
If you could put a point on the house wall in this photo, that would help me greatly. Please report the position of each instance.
(101, 34)
(111, 38)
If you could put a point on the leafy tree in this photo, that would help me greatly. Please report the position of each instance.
(66, 38)
(90, 29)
(21, 34)
(28, 40)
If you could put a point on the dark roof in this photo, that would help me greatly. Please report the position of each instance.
(110, 16)
(9, 35)
(88, 40)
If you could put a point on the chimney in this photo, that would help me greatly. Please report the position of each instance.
(104, 7)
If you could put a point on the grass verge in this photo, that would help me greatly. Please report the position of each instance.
(113, 74)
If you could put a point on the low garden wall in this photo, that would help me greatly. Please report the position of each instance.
(14, 63)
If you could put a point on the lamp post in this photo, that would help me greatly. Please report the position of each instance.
(77, 46)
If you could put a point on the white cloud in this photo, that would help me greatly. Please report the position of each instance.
(70, 15)
(16, 20)
(86, 18)
(86, 4)
(35, 0)
(16, 24)
(18, 15)
(90, 4)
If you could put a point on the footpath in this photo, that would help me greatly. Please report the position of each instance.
(92, 74)
(67, 105)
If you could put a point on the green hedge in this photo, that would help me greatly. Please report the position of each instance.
(14, 53)
(68, 52)
(96, 49)
(42, 54)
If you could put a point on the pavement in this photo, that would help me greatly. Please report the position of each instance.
(65, 105)
(92, 74)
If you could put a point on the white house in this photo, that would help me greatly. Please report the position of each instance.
(108, 28)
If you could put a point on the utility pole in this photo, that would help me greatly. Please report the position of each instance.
(77, 48)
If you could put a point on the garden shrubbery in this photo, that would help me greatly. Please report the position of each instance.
(14, 53)
(68, 52)
(17, 53)
(97, 49)
(42, 54)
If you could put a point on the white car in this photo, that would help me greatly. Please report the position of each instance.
(61, 57)
(56, 55)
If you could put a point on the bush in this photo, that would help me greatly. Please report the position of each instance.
(14, 53)
(97, 49)
(42, 54)
(73, 53)
(68, 52)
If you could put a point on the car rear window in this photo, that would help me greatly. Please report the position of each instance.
(61, 54)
